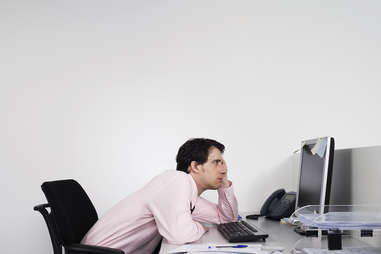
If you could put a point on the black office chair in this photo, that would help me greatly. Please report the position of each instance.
(71, 215)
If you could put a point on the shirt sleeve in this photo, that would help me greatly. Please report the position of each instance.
(171, 210)
(225, 211)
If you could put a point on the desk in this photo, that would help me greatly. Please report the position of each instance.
(279, 235)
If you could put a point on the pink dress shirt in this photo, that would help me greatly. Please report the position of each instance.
(161, 208)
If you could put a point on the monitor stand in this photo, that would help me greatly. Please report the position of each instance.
(303, 231)
(309, 232)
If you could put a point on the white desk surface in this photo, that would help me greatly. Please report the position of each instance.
(279, 235)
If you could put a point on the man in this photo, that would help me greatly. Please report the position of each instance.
(170, 205)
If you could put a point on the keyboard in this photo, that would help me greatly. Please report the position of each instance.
(241, 231)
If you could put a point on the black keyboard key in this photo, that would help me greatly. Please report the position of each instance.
(249, 226)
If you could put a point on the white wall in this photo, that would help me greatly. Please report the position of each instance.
(106, 91)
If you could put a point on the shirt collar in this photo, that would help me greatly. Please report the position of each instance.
(194, 190)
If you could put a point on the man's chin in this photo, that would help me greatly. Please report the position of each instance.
(218, 185)
(215, 186)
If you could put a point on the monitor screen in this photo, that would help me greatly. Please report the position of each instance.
(316, 159)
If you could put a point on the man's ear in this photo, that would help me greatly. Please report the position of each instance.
(194, 167)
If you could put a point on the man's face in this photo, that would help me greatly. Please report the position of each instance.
(214, 170)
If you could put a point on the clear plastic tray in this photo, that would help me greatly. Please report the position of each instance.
(339, 217)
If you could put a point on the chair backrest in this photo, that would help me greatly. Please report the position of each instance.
(73, 212)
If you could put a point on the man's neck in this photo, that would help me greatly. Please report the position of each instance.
(200, 188)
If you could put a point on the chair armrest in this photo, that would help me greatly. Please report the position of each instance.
(41, 207)
(90, 249)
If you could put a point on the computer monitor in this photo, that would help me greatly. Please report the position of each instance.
(316, 162)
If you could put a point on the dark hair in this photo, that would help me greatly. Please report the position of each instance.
(196, 149)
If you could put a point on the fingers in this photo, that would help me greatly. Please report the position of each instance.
(226, 183)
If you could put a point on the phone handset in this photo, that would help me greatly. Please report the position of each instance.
(271, 201)
(269, 204)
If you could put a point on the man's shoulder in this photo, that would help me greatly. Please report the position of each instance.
(171, 175)
(171, 180)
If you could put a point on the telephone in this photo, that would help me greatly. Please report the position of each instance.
(278, 205)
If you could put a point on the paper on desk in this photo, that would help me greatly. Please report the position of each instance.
(320, 147)
(350, 250)
(224, 252)
(202, 248)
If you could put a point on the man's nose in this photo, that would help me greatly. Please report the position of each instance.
(223, 169)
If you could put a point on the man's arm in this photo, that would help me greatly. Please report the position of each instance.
(225, 211)
(171, 210)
